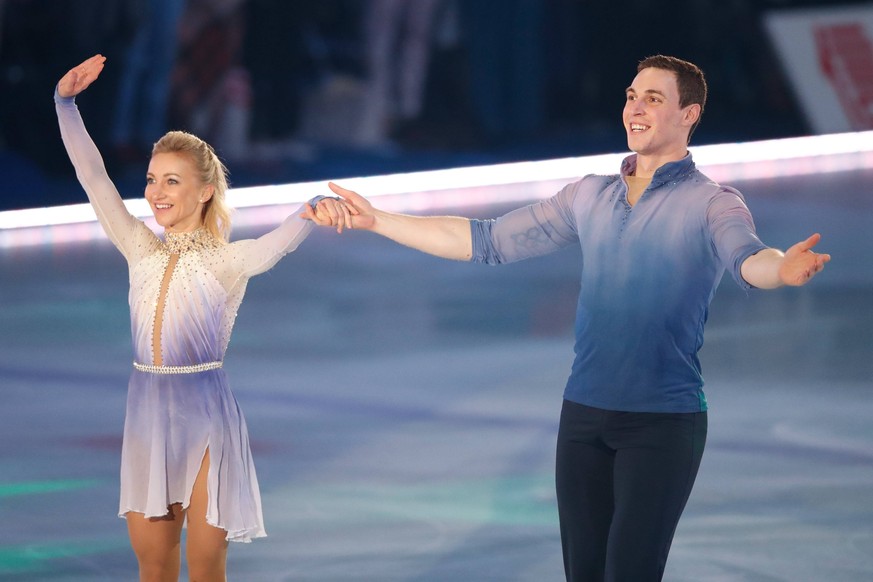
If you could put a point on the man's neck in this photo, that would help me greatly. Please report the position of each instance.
(648, 165)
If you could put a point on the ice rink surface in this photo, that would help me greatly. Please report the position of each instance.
(403, 410)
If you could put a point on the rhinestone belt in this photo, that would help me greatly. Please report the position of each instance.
(177, 369)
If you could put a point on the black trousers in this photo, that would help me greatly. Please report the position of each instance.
(623, 479)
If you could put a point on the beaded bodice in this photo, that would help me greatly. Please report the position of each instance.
(185, 291)
(181, 314)
(177, 243)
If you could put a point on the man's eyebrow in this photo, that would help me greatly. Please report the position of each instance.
(647, 91)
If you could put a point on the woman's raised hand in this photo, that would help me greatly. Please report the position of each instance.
(79, 78)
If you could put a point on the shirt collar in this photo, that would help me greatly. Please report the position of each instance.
(669, 172)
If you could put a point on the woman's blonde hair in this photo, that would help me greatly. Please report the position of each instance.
(216, 212)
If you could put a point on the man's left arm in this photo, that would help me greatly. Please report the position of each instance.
(771, 268)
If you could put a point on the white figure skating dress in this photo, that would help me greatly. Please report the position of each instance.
(184, 296)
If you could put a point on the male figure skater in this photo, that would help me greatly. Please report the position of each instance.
(655, 241)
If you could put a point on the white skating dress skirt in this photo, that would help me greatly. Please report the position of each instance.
(172, 420)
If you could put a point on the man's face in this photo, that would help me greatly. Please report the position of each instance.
(655, 124)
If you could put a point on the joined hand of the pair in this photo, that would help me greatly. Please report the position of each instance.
(349, 210)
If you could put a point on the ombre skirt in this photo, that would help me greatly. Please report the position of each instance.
(172, 420)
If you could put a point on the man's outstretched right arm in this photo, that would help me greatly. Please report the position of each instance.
(448, 237)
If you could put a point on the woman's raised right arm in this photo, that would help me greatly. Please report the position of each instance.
(113, 215)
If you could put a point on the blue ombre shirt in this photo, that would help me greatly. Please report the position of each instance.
(649, 273)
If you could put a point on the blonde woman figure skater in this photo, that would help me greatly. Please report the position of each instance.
(185, 454)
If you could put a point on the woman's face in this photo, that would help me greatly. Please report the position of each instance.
(175, 192)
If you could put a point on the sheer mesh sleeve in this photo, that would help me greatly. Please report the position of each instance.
(123, 229)
(241, 260)
(733, 232)
(247, 258)
(534, 230)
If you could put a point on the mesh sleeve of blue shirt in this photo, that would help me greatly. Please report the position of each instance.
(534, 230)
(733, 232)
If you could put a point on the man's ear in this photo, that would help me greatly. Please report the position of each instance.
(692, 114)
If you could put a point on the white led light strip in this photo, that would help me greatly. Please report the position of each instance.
(470, 186)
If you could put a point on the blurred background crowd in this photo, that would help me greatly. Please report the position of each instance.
(291, 91)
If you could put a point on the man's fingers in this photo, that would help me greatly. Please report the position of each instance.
(811, 241)
(347, 217)
(337, 188)
(805, 245)
(345, 193)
